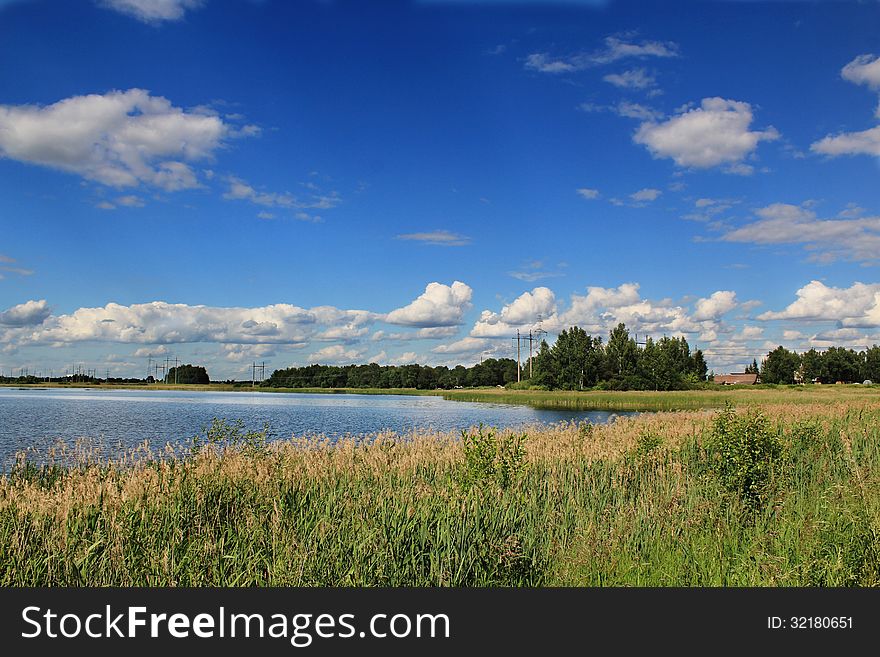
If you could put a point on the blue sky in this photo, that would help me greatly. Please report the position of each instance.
(296, 182)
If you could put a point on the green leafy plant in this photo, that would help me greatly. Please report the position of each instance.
(490, 457)
(223, 433)
(745, 451)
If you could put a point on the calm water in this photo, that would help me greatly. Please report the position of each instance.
(124, 418)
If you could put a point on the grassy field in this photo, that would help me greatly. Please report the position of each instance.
(781, 495)
(715, 397)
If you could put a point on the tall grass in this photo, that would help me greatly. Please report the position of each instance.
(641, 501)
(637, 400)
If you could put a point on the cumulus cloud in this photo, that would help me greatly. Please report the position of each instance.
(153, 11)
(865, 142)
(714, 134)
(864, 69)
(526, 309)
(30, 313)
(437, 238)
(826, 239)
(468, 345)
(336, 354)
(438, 305)
(158, 323)
(716, 305)
(857, 306)
(615, 49)
(120, 139)
(600, 309)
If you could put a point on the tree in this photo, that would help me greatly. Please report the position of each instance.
(546, 371)
(753, 368)
(698, 367)
(621, 351)
(841, 364)
(188, 374)
(811, 366)
(780, 366)
(871, 367)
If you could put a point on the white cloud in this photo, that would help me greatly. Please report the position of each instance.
(120, 139)
(637, 78)
(157, 350)
(749, 333)
(407, 358)
(866, 142)
(826, 239)
(239, 190)
(8, 265)
(238, 353)
(438, 305)
(587, 193)
(525, 309)
(616, 48)
(336, 354)
(646, 194)
(864, 69)
(534, 270)
(437, 238)
(153, 11)
(626, 109)
(130, 201)
(159, 323)
(30, 313)
(636, 111)
(468, 345)
(854, 307)
(716, 133)
(716, 305)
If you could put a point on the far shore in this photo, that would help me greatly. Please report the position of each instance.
(637, 400)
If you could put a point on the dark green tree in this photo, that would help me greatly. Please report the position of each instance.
(780, 366)
(188, 374)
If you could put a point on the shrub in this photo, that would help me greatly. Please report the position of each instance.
(223, 433)
(744, 451)
(489, 457)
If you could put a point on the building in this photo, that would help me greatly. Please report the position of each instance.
(736, 378)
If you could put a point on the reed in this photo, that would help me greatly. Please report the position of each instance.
(636, 502)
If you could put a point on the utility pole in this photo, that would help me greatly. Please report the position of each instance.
(176, 370)
(538, 333)
(518, 368)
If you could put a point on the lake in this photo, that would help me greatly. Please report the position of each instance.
(119, 419)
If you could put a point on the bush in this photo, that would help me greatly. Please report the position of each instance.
(223, 433)
(490, 458)
(744, 451)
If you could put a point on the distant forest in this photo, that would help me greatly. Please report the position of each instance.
(576, 361)
(829, 366)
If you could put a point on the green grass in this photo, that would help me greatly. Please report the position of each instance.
(713, 397)
(639, 502)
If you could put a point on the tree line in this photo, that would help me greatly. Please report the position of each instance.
(491, 372)
(829, 366)
(578, 361)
